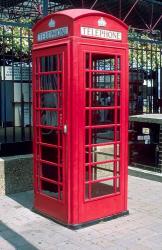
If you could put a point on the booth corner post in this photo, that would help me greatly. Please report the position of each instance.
(80, 117)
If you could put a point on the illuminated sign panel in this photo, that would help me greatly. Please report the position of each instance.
(101, 33)
(52, 34)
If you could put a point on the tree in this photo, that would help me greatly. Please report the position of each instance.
(15, 43)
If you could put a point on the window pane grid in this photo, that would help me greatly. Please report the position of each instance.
(49, 115)
(102, 134)
(102, 115)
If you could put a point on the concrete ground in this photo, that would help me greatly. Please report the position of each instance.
(20, 228)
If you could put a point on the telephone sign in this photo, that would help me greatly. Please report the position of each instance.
(101, 33)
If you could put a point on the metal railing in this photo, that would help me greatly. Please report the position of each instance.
(145, 97)
(145, 79)
(15, 90)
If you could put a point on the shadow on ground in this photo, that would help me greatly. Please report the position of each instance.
(24, 198)
(14, 239)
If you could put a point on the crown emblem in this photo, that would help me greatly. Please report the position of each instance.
(102, 22)
(52, 23)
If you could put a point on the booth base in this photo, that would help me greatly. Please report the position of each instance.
(86, 224)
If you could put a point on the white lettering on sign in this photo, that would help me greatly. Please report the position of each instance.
(52, 34)
(101, 33)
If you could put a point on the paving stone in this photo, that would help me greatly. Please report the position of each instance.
(22, 229)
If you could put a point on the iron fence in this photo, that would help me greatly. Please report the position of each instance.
(15, 90)
(145, 79)
(145, 97)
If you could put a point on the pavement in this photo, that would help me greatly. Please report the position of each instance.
(20, 228)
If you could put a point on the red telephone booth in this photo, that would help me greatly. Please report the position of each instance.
(80, 110)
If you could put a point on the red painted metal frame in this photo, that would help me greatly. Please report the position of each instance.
(43, 201)
(116, 202)
(75, 207)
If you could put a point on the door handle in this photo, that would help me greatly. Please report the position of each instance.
(65, 129)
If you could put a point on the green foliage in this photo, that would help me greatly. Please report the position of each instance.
(15, 40)
(144, 51)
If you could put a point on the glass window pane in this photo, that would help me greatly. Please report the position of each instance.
(88, 103)
(101, 135)
(118, 116)
(103, 81)
(103, 62)
(49, 136)
(118, 167)
(117, 148)
(88, 80)
(100, 117)
(118, 63)
(118, 81)
(49, 82)
(49, 118)
(87, 191)
(49, 154)
(118, 98)
(50, 172)
(49, 100)
(87, 177)
(118, 185)
(101, 171)
(60, 62)
(102, 153)
(60, 81)
(103, 99)
(102, 188)
(87, 61)
(50, 189)
(61, 174)
(48, 63)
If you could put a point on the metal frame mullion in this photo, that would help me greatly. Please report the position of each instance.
(90, 124)
(148, 98)
(160, 66)
(30, 102)
(156, 108)
(38, 129)
(152, 82)
(59, 122)
(63, 121)
(115, 121)
(4, 91)
(14, 130)
(21, 84)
